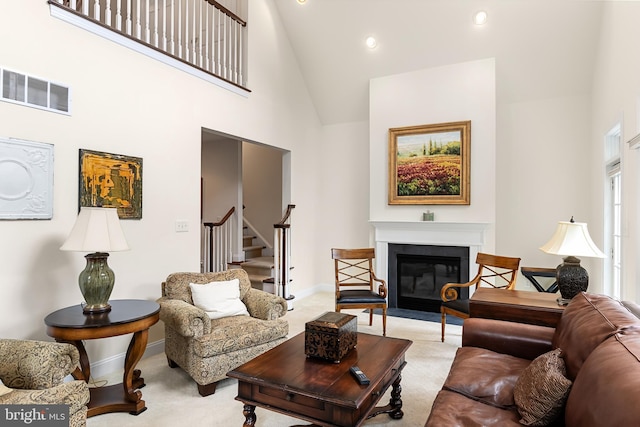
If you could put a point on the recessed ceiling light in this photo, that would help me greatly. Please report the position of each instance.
(480, 18)
(371, 42)
(302, 1)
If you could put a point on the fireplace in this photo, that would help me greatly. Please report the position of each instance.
(441, 241)
(418, 272)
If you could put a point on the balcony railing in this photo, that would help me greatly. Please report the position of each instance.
(201, 33)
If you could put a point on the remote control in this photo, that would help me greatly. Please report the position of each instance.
(360, 376)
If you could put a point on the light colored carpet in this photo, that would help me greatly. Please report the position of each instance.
(172, 398)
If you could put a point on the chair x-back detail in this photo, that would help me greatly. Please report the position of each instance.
(355, 283)
(496, 271)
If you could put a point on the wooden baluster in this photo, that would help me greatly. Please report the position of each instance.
(138, 23)
(119, 15)
(156, 12)
(172, 43)
(96, 10)
(164, 27)
(241, 57)
(207, 8)
(107, 13)
(180, 28)
(128, 19)
(200, 44)
(216, 53)
(194, 58)
(147, 30)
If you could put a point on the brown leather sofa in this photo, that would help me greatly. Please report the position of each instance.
(600, 342)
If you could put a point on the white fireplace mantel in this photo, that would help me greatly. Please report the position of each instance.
(467, 234)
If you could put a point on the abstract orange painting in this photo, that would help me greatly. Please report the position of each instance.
(111, 180)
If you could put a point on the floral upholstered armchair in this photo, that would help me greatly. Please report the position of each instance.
(209, 338)
(32, 372)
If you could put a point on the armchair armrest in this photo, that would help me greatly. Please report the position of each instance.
(74, 393)
(516, 339)
(449, 291)
(36, 365)
(382, 288)
(186, 319)
(264, 305)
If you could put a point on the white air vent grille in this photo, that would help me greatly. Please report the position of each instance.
(34, 92)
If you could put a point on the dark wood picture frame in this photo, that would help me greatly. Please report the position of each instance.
(429, 164)
(111, 180)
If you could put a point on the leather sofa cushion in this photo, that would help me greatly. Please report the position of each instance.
(451, 409)
(588, 320)
(605, 392)
(485, 376)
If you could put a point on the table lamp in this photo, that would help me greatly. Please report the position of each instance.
(96, 230)
(571, 240)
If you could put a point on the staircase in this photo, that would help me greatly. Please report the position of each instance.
(258, 266)
(269, 267)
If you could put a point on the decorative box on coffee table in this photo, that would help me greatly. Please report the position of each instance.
(331, 336)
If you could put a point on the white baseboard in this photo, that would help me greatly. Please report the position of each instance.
(115, 363)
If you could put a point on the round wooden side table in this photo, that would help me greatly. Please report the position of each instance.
(71, 325)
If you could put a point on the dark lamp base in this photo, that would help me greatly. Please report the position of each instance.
(572, 279)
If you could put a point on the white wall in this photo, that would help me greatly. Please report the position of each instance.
(262, 188)
(456, 92)
(543, 174)
(127, 103)
(616, 91)
(343, 192)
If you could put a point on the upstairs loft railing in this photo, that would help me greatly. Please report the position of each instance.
(218, 243)
(282, 257)
(201, 33)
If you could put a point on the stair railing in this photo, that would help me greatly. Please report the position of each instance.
(201, 33)
(282, 257)
(218, 243)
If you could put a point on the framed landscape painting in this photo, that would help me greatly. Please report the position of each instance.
(111, 180)
(429, 164)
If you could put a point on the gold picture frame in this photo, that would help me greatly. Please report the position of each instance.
(429, 164)
(111, 180)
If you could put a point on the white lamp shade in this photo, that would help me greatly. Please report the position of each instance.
(96, 230)
(572, 238)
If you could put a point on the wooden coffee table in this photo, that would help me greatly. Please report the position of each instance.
(286, 381)
(536, 308)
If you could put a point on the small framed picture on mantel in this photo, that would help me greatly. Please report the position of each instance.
(429, 164)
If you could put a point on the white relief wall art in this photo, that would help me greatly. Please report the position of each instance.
(26, 179)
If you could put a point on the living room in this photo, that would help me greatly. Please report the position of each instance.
(535, 160)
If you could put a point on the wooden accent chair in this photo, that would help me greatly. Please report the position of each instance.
(493, 270)
(355, 283)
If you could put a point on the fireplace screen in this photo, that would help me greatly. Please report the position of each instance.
(418, 272)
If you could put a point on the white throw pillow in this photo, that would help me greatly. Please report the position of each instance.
(4, 389)
(219, 299)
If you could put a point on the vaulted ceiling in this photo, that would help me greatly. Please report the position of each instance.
(542, 48)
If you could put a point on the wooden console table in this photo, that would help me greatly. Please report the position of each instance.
(284, 380)
(536, 308)
(71, 325)
(532, 272)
